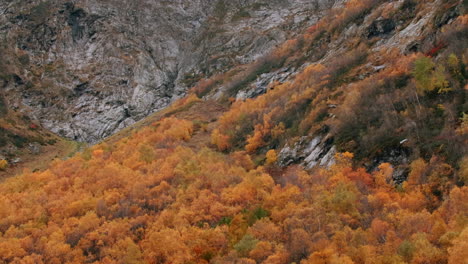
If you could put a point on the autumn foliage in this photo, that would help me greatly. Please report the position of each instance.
(149, 199)
(174, 193)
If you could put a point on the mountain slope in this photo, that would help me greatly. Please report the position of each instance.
(374, 92)
(382, 92)
(86, 69)
(24, 144)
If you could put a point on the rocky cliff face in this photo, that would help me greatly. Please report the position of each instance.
(398, 27)
(86, 68)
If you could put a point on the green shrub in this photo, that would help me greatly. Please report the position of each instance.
(242, 13)
(257, 214)
(225, 221)
(245, 245)
(428, 77)
(220, 9)
(18, 140)
(24, 59)
(40, 12)
(406, 250)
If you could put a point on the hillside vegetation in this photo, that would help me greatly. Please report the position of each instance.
(24, 144)
(203, 181)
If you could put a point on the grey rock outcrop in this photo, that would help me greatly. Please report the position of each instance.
(264, 81)
(381, 27)
(89, 68)
(310, 152)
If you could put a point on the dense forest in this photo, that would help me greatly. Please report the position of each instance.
(203, 181)
(152, 198)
